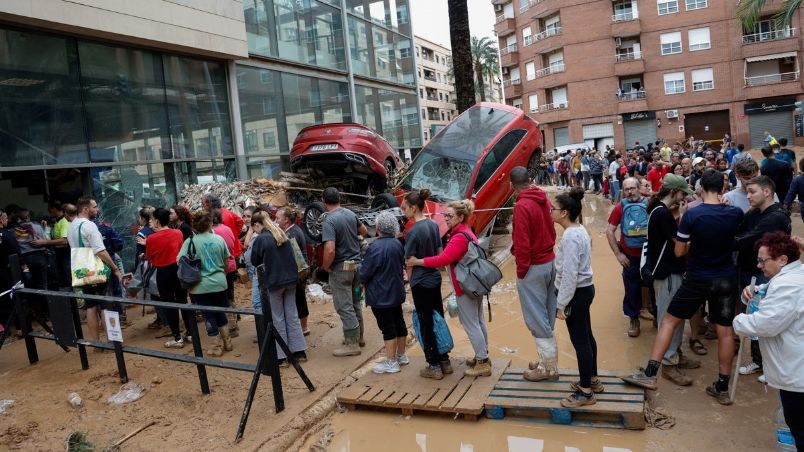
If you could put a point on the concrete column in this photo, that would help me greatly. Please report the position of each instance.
(237, 127)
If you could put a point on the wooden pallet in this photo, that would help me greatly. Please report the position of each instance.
(619, 406)
(408, 393)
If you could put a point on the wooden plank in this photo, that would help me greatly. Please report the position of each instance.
(407, 400)
(370, 394)
(380, 398)
(544, 404)
(475, 398)
(396, 397)
(421, 402)
(438, 400)
(574, 372)
(353, 392)
(559, 395)
(457, 393)
(562, 387)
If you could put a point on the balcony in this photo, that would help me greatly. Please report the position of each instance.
(552, 69)
(773, 35)
(553, 113)
(629, 63)
(512, 88)
(632, 96)
(625, 16)
(509, 56)
(431, 78)
(625, 106)
(504, 25)
(552, 31)
(771, 78)
(625, 24)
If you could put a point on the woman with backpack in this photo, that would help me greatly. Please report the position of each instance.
(470, 308)
(576, 292)
(272, 248)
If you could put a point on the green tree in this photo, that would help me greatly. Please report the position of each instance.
(749, 13)
(485, 61)
(461, 54)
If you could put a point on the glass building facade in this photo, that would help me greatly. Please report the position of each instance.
(326, 41)
(134, 126)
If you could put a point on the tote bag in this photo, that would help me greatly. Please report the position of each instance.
(441, 330)
(86, 269)
(189, 272)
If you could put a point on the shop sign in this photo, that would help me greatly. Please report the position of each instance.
(770, 107)
(639, 115)
(800, 125)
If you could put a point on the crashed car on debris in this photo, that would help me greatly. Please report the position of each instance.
(346, 155)
(471, 158)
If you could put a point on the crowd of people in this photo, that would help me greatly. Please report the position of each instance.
(699, 229)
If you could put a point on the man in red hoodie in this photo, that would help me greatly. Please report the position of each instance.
(533, 239)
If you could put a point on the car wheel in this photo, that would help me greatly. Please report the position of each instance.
(313, 221)
(384, 201)
(533, 163)
(389, 166)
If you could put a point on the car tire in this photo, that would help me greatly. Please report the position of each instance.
(384, 201)
(389, 166)
(313, 220)
(533, 163)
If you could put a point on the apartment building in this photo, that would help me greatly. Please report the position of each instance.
(617, 72)
(130, 101)
(436, 87)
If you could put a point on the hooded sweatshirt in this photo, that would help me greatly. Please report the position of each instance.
(534, 234)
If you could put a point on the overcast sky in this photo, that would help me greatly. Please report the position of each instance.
(431, 20)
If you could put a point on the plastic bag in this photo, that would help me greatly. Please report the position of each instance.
(129, 392)
(86, 268)
(5, 404)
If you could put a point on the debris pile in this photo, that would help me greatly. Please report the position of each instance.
(237, 195)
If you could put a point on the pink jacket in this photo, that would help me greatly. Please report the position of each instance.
(456, 248)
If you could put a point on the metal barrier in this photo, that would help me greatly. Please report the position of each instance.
(67, 332)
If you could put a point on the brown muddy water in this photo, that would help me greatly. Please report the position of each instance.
(701, 423)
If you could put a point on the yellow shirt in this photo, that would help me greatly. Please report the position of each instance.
(60, 228)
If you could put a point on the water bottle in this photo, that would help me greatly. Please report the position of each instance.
(784, 439)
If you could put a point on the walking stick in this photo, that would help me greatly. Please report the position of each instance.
(733, 390)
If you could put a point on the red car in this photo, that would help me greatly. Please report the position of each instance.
(347, 155)
(471, 158)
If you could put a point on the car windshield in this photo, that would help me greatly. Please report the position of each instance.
(446, 164)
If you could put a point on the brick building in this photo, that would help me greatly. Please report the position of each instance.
(436, 88)
(615, 72)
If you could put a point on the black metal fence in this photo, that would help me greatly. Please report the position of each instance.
(66, 331)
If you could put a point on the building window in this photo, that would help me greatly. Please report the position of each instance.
(269, 139)
(265, 77)
(674, 83)
(702, 79)
(699, 39)
(250, 140)
(446, 97)
(696, 4)
(533, 103)
(667, 7)
(404, 52)
(441, 96)
(671, 43)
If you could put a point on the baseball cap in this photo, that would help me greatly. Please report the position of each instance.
(697, 160)
(674, 182)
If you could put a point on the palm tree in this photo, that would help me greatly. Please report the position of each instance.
(749, 13)
(461, 54)
(486, 63)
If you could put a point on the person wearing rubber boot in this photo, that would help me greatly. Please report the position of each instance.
(534, 237)
(341, 253)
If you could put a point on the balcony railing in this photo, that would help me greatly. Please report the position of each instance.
(552, 69)
(501, 18)
(771, 78)
(511, 48)
(511, 82)
(624, 17)
(553, 106)
(769, 36)
(529, 5)
(430, 77)
(627, 97)
(432, 97)
(628, 56)
(552, 31)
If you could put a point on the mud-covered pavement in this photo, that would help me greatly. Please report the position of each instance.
(41, 418)
(701, 423)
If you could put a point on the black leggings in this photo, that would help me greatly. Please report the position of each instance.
(391, 323)
(793, 407)
(579, 324)
(170, 290)
(426, 300)
(301, 301)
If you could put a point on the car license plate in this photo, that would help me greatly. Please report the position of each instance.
(324, 147)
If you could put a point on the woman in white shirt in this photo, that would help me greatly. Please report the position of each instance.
(575, 292)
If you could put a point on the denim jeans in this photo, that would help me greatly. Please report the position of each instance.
(213, 320)
(614, 188)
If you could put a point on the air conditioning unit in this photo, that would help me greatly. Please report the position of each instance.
(618, 42)
(505, 71)
(498, 8)
(671, 113)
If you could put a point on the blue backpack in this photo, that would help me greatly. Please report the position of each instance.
(634, 224)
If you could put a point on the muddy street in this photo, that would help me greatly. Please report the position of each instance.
(701, 423)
